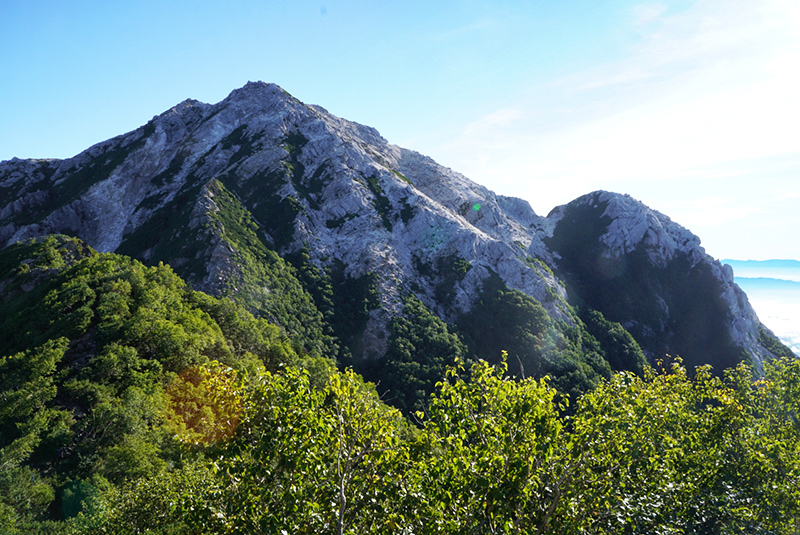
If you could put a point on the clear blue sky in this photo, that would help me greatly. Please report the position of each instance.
(690, 106)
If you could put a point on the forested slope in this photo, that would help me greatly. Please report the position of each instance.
(130, 403)
(92, 347)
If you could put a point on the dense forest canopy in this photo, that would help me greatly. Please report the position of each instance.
(130, 403)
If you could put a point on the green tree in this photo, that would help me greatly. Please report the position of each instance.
(313, 460)
(27, 421)
(492, 448)
(766, 457)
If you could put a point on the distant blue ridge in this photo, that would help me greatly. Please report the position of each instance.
(767, 282)
(788, 270)
(781, 264)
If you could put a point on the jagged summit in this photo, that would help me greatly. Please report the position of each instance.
(258, 91)
(223, 192)
(632, 224)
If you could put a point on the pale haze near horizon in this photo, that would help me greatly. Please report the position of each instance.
(690, 106)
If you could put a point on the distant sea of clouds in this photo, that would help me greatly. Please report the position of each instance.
(773, 288)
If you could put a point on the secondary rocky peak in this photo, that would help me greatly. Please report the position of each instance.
(638, 267)
(629, 225)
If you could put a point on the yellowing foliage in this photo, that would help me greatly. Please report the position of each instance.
(204, 404)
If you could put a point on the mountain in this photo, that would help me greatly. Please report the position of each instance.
(777, 300)
(774, 269)
(381, 257)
